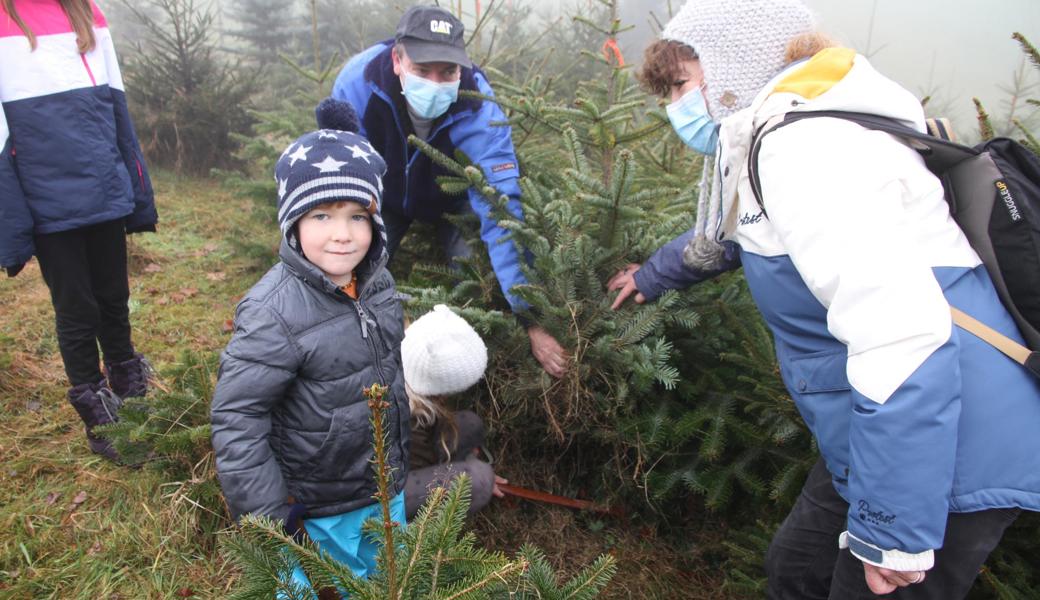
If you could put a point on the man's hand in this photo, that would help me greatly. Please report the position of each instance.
(548, 351)
(625, 281)
(885, 581)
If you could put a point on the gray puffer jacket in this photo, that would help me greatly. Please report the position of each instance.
(288, 414)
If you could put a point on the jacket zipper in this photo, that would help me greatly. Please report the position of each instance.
(379, 363)
(371, 342)
(86, 65)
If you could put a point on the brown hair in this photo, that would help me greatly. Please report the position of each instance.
(806, 45)
(80, 14)
(661, 62)
(662, 58)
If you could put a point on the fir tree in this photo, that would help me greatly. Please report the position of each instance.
(169, 431)
(187, 102)
(430, 558)
(682, 393)
(265, 26)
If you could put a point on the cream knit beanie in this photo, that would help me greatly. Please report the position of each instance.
(441, 354)
(740, 44)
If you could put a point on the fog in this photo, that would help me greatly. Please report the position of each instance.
(949, 49)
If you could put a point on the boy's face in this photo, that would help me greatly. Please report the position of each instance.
(335, 238)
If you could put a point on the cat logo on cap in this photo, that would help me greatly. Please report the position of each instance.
(440, 27)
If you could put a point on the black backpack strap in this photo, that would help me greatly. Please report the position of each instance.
(939, 154)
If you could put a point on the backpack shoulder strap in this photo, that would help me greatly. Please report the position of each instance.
(939, 154)
(1030, 359)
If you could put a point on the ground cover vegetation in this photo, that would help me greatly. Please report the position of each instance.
(672, 412)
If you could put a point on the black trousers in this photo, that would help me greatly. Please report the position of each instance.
(804, 561)
(85, 270)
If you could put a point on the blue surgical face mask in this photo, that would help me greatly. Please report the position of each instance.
(429, 99)
(690, 118)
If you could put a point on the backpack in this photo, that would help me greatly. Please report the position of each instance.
(993, 191)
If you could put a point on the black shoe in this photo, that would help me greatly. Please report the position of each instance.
(97, 405)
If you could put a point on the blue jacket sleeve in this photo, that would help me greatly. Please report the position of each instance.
(491, 147)
(16, 222)
(665, 269)
(144, 217)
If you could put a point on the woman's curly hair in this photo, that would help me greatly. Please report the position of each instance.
(661, 66)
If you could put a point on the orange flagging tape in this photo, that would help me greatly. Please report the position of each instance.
(610, 46)
(519, 492)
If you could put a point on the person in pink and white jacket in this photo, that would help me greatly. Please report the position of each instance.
(72, 184)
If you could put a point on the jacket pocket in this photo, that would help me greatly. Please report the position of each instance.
(345, 452)
(817, 372)
(819, 385)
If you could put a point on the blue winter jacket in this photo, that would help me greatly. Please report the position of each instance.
(368, 82)
(70, 155)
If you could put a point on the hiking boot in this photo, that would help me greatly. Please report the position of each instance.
(129, 379)
(96, 405)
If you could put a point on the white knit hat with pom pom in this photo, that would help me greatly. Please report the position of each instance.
(441, 354)
(740, 44)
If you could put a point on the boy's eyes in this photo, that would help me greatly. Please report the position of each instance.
(320, 216)
(360, 218)
(680, 83)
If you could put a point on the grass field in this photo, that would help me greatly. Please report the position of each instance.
(73, 526)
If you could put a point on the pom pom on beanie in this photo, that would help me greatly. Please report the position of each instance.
(442, 354)
(335, 114)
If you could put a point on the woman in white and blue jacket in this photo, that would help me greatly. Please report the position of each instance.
(927, 434)
(72, 184)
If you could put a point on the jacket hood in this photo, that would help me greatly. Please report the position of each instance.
(833, 79)
(837, 79)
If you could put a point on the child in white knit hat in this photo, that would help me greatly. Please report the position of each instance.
(442, 355)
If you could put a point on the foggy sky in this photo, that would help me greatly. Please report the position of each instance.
(951, 49)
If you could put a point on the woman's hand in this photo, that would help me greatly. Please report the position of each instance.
(885, 581)
(625, 281)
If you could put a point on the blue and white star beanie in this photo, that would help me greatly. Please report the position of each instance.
(332, 164)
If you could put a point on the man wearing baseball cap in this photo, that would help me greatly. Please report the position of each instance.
(410, 85)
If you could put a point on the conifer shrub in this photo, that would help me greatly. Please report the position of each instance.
(433, 557)
(169, 431)
(676, 396)
(186, 99)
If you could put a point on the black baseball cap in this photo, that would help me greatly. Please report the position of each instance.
(432, 34)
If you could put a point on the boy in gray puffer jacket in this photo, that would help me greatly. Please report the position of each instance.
(290, 424)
